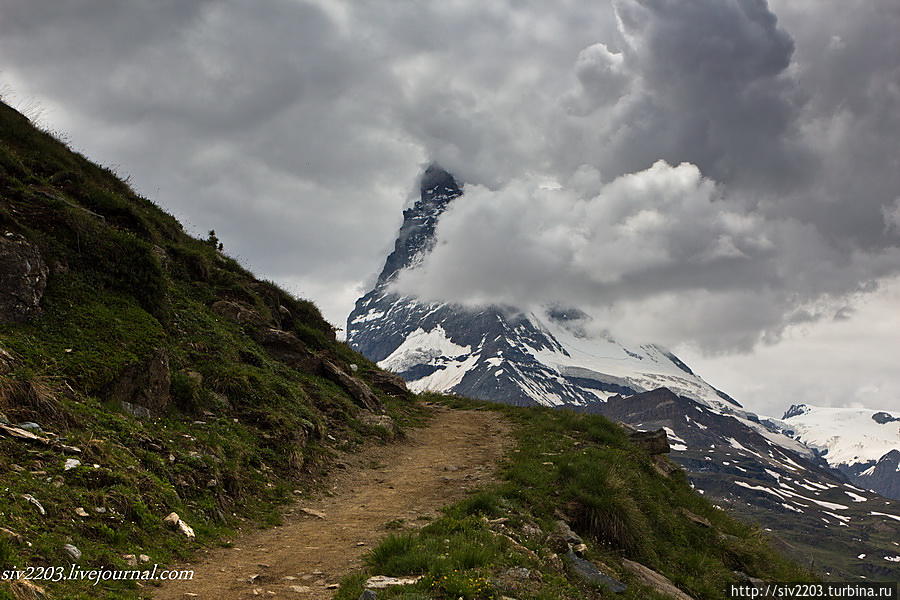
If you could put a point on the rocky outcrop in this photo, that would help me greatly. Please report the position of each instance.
(23, 278)
(654, 442)
(237, 311)
(361, 393)
(390, 383)
(287, 348)
(882, 476)
(143, 388)
(652, 579)
(882, 417)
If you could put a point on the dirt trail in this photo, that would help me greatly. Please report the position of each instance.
(436, 465)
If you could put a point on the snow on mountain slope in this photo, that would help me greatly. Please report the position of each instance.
(845, 436)
(602, 358)
(862, 443)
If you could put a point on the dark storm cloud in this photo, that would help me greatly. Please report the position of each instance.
(296, 130)
(714, 89)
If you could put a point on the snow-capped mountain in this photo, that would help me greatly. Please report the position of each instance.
(862, 443)
(501, 353)
(525, 357)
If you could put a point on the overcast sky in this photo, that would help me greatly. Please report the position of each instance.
(720, 176)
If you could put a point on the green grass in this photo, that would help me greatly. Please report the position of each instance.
(242, 430)
(583, 467)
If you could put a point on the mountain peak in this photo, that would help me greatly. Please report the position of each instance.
(435, 178)
(416, 237)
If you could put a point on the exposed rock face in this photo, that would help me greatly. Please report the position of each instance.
(143, 389)
(286, 347)
(358, 390)
(654, 442)
(390, 383)
(883, 476)
(23, 278)
(237, 311)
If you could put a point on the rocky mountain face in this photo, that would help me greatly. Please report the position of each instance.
(546, 356)
(862, 443)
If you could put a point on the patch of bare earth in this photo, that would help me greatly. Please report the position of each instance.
(306, 556)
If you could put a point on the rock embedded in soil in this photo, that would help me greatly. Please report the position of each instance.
(23, 278)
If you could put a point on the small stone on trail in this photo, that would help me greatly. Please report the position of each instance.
(313, 513)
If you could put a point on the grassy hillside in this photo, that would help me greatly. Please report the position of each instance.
(584, 470)
(177, 380)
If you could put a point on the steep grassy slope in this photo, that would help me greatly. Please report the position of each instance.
(626, 504)
(177, 380)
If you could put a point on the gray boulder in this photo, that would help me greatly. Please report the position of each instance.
(286, 347)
